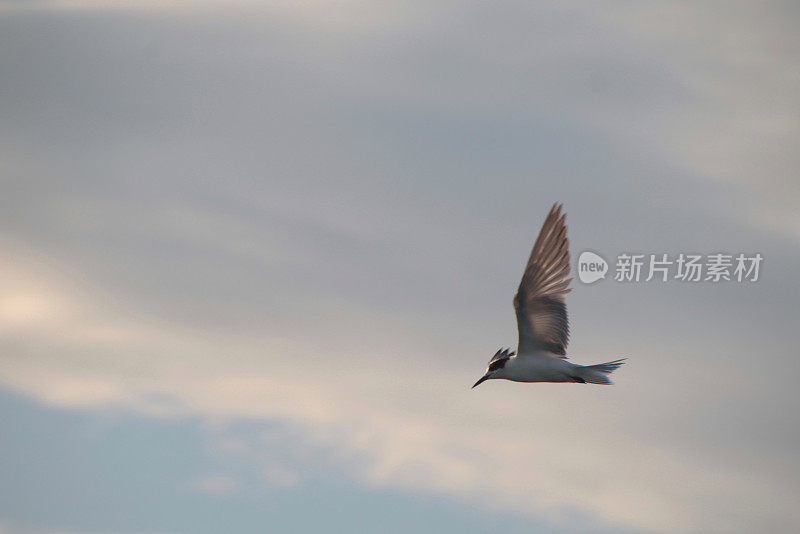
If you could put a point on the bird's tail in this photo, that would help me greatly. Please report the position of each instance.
(598, 374)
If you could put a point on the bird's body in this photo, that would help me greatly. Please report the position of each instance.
(549, 367)
(542, 318)
(537, 367)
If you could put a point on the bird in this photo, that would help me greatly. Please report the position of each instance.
(541, 354)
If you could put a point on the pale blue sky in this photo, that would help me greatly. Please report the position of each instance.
(253, 255)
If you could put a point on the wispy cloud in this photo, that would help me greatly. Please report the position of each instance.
(319, 218)
(217, 485)
(508, 447)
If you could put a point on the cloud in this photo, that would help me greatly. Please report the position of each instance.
(280, 476)
(738, 126)
(8, 528)
(221, 485)
(507, 446)
(307, 219)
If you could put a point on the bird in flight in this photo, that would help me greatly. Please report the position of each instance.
(542, 317)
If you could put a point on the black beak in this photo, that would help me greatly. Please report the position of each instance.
(484, 377)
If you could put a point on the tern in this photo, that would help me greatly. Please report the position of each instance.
(542, 317)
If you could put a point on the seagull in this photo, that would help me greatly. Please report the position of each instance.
(542, 317)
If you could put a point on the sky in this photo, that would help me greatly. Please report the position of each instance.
(254, 254)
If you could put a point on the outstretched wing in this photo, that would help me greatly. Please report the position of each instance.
(539, 302)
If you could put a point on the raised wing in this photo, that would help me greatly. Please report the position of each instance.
(539, 302)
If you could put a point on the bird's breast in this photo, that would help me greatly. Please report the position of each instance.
(537, 368)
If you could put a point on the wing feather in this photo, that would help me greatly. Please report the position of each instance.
(539, 303)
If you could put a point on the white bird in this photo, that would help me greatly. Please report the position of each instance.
(542, 317)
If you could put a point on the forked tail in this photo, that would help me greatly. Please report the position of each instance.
(598, 374)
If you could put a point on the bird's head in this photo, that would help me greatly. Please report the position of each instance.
(496, 365)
